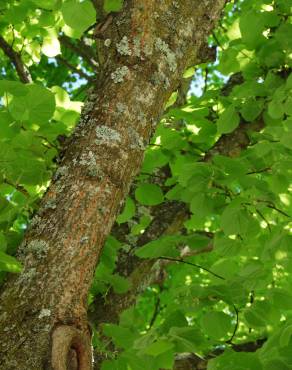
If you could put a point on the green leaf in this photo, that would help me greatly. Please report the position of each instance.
(3, 242)
(228, 62)
(17, 13)
(251, 28)
(195, 175)
(271, 53)
(13, 87)
(9, 263)
(228, 121)
(252, 109)
(113, 5)
(85, 11)
(120, 284)
(216, 325)
(261, 314)
(128, 212)
(171, 139)
(225, 267)
(284, 35)
(37, 106)
(154, 157)
(7, 129)
(201, 204)
(233, 167)
(276, 109)
(176, 317)
(286, 336)
(165, 246)
(159, 347)
(186, 339)
(119, 364)
(195, 241)
(289, 81)
(46, 4)
(288, 106)
(235, 361)
(122, 337)
(225, 246)
(276, 364)
(165, 360)
(139, 227)
(282, 299)
(149, 194)
(284, 5)
(234, 220)
(27, 169)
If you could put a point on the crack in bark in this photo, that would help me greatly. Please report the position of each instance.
(71, 350)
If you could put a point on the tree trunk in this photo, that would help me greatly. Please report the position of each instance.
(146, 48)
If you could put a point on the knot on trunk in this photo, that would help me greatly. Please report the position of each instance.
(71, 349)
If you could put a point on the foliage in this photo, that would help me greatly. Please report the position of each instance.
(227, 155)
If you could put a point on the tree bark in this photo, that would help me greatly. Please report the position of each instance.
(146, 48)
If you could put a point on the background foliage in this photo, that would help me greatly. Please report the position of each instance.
(219, 283)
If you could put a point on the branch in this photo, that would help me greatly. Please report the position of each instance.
(81, 49)
(190, 361)
(15, 58)
(155, 313)
(236, 325)
(192, 264)
(74, 69)
(278, 210)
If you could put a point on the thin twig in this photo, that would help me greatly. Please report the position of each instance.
(236, 325)
(19, 188)
(191, 264)
(80, 90)
(81, 49)
(278, 210)
(259, 171)
(15, 58)
(206, 80)
(155, 313)
(263, 217)
(74, 69)
(272, 206)
(217, 40)
(152, 175)
(269, 205)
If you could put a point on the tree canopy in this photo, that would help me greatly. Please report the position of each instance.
(196, 272)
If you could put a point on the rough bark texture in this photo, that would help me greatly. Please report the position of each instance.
(43, 323)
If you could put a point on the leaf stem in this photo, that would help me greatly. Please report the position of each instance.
(192, 264)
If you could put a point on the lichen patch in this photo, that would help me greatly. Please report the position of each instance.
(106, 135)
(38, 247)
(44, 313)
(119, 74)
(123, 47)
(170, 57)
